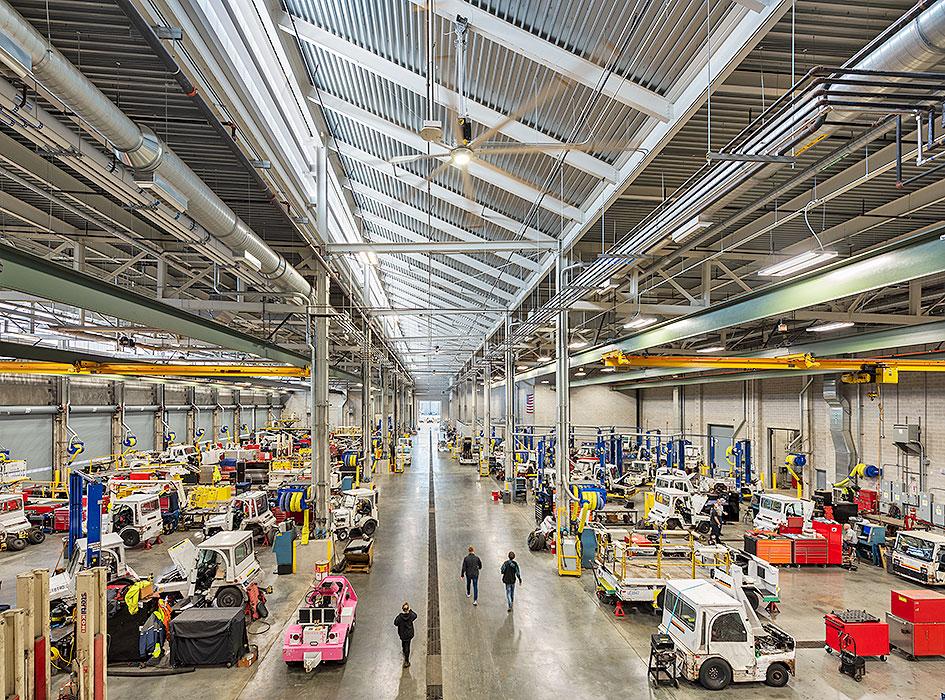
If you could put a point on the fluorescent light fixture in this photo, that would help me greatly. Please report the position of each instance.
(251, 260)
(577, 344)
(689, 228)
(797, 263)
(545, 381)
(368, 257)
(640, 322)
(607, 369)
(711, 348)
(606, 284)
(521, 368)
(160, 187)
(830, 326)
(580, 373)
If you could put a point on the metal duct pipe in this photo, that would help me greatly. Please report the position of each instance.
(6, 411)
(139, 148)
(838, 408)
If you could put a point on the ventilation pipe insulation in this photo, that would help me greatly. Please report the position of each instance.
(140, 149)
(918, 46)
(838, 409)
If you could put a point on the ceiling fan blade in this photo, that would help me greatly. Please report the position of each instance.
(594, 146)
(418, 157)
(437, 170)
(469, 190)
(556, 85)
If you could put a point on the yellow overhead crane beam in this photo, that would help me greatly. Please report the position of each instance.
(855, 371)
(135, 369)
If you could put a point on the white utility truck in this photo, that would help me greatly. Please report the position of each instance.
(137, 518)
(774, 509)
(248, 511)
(355, 514)
(111, 556)
(719, 639)
(919, 555)
(15, 528)
(219, 569)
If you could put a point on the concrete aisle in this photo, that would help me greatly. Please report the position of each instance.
(374, 670)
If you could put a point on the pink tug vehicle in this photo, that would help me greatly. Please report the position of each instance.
(324, 627)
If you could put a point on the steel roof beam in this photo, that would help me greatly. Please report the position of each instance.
(434, 247)
(492, 175)
(552, 56)
(414, 82)
(445, 283)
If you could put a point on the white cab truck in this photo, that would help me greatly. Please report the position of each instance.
(676, 510)
(219, 569)
(774, 509)
(719, 640)
(355, 514)
(111, 556)
(248, 511)
(919, 555)
(15, 528)
(137, 518)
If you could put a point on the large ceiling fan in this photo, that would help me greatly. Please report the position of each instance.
(466, 149)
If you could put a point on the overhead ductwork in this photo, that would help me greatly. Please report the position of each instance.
(160, 169)
(838, 409)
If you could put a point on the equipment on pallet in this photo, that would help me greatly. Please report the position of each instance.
(720, 640)
(662, 665)
(917, 623)
(323, 626)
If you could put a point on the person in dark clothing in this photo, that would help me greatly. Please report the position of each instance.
(471, 567)
(715, 523)
(510, 571)
(404, 624)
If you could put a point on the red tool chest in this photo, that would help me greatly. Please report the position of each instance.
(917, 605)
(870, 636)
(809, 550)
(833, 533)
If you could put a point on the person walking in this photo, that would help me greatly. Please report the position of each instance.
(510, 571)
(471, 567)
(404, 624)
(715, 523)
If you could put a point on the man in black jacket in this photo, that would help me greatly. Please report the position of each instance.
(404, 624)
(471, 567)
(510, 571)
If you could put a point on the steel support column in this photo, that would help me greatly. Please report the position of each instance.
(486, 404)
(366, 418)
(475, 405)
(509, 399)
(563, 387)
(321, 458)
(384, 412)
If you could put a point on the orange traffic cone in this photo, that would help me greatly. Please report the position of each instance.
(618, 609)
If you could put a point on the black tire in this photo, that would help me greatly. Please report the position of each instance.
(293, 665)
(673, 524)
(229, 597)
(342, 534)
(344, 652)
(753, 599)
(703, 528)
(257, 531)
(715, 674)
(369, 528)
(16, 544)
(130, 536)
(37, 536)
(777, 675)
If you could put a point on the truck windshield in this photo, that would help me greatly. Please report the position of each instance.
(915, 547)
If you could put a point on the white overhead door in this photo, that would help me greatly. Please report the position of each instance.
(95, 430)
(227, 418)
(141, 425)
(177, 420)
(29, 438)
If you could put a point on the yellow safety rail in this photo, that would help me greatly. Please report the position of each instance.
(563, 559)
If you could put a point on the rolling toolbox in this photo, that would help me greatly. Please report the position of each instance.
(917, 622)
(870, 635)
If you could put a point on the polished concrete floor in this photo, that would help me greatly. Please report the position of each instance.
(559, 641)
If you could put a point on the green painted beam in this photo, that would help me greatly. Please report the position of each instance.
(30, 274)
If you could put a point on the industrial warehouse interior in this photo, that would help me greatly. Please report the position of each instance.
(472, 349)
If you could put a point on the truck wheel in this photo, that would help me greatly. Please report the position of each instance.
(341, 535)
(130, 536)
(17, 544)
(715, 674)
(369, 527)
(229, 597)
(753, 600)
(344, 652)
(703, 528)
(257, 532)
(36, 536)
(673, 524)
(777, 675)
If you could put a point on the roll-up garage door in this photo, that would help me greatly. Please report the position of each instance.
(142, 426)
(29, 438)
(177, 420)
(95, 430)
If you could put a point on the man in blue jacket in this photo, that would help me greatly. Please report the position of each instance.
(471, 567)
(510, 571)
